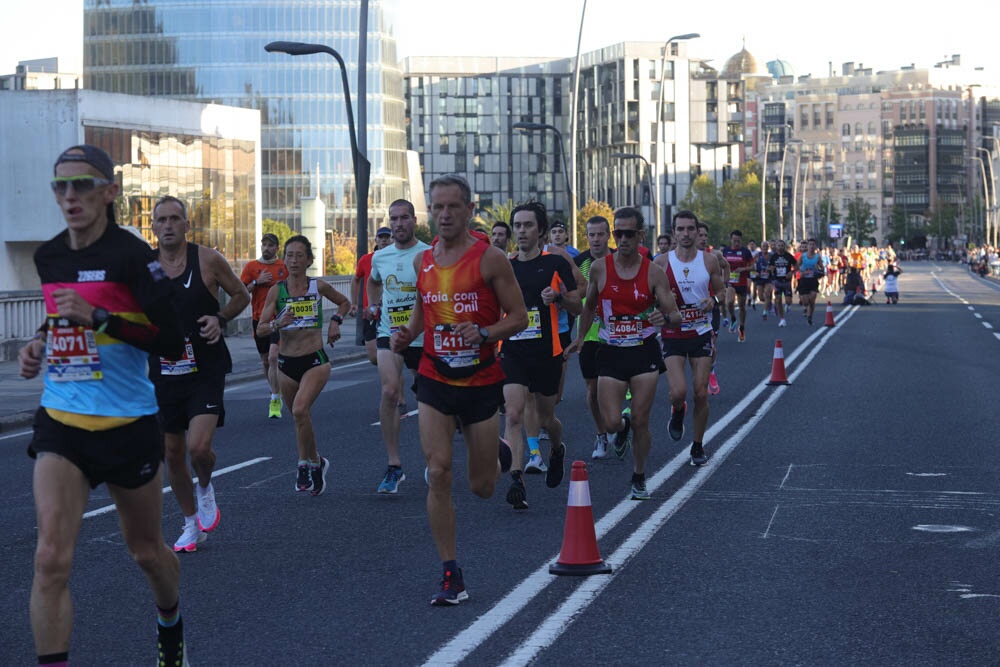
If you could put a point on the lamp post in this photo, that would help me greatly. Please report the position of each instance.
(763, 189)
(650, 177)
(540, 127)
(986, 197)
(572, 123)
(993, 182)
(362, 167)
(660, 131)
(781, 191)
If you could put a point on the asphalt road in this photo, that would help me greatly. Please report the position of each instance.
(848, 518)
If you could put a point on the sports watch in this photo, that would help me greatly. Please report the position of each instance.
(484, 332)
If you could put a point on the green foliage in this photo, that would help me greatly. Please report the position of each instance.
(586, 212)
(423, 233)
(495, 213)
(859, 224)
(341, 259)
(943, 222)
(736, 205)
(279, 229)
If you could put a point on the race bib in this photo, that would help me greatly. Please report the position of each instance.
(183, 366)
(71, 354)
(534, 329)
(764, 274)
(451, 349)
(625, 330)
(399, 316)
(780, 271)
(753, 274)
(305, 310)
(693, 319)
(807, 273)
(734, 276)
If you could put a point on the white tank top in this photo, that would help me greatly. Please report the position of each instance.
(690, 284)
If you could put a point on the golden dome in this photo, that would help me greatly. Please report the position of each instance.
(739, 64)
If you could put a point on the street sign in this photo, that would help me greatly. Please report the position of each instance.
(836, 230)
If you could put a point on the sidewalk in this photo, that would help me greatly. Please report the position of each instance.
(19, 398)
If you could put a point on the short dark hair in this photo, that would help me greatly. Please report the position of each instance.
(501, 223)
(170, 199)
(686, 214)
(630, 212)
(407, 203)
(699, 224)
(664, 236)
(298, 238)
(453, 179)
(736, 232)
(599, 220)
(536, 207)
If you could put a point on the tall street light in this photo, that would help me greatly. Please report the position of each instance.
(362, 167)
(650, 177)
(781, 191)
(660, 129)
(572, 124)
(986, 197)
(993, 206)
(541, 127)
(763, 189)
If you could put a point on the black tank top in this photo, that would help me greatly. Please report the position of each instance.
(193, 300)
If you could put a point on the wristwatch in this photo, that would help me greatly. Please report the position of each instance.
(337, 318)
(484, 332)
(100, 318)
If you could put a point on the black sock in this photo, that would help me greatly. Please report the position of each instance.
(53, 658)
(450, 566)
(638, 477)
(697, 443)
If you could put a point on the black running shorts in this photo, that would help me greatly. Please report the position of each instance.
(181, 399)
(588, 359)
(692, 348)
(469, 404)
(411, 355)
(624, 363)
(127, 456)
(539, 375)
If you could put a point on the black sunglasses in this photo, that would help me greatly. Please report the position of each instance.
(81, 184)
(625, 233)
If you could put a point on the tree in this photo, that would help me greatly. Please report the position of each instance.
(740, 200)
(495, 213)
(279, 229)
(830, 215)
(898, 227)
(423, 233)
(341, 258)
(704, 201)
(587, 211)
(860, 223)
(943, 222)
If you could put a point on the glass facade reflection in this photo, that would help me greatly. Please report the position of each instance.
(213, 176)
(214, 52)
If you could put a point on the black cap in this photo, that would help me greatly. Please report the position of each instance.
(383, 231)
(269, 237)
(92, 155)
(558, 224)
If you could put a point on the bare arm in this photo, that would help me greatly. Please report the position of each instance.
(594, 286)
(665, 302)
(499, 274)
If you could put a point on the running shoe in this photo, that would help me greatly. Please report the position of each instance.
(600, 446)
(208, 512)
(554, 475)
(543, 434)
(171, 651)
(535, 465)
(732, 325)
(318, 475)
(505, 456)
(713, 384)
(638, 491)
(452, 590)
(190, 538)
(676, 425)
(517, 495)
(623, 438)
(274, 411)
(724, 323)
(390, 483)
(303, 482)
(763, 316)
(698, 455)
(782, 322)
(742, 337)
(809, 320)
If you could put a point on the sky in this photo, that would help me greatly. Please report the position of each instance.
(877, 33)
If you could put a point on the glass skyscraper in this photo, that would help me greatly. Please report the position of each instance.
(212, 51)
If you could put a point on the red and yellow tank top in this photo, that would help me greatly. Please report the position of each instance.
(625, 306)
(451, 295)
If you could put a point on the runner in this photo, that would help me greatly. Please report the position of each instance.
(258, 275)
(702, 244)
(559, 238)
(463, 284)
(663, 243)
(190, 390)
(782, 265)
(105, 294)
(695, 280)
(532, 359)
(295, 307)
(634, 300)
(740, 264)
(500, 235)
(392, 291)
(598, 234)
(811, 268)
(761, 277)
(383, 237)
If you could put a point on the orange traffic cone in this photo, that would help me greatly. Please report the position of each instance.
(829, 315)
(579, 555)
(778, 366)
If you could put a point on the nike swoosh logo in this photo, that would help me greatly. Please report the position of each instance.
(211, 405)
(188, 283)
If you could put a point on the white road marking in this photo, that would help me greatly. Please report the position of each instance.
(935, 528)
(411, 413)
(167, 489)
(987, 325)
(978, 316)
(997, 335)
(15, 435)
(927, 474)
(466, 641)
(769, 523)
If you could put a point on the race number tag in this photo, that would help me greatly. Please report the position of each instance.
(625, 330)
(398, 317)
(780, 271)
(807, 273)
(534, 329)
(71, 354)
(734, 276)
(693, 318)
(183, 366)
(764, 274)
(452, 349)
(305, 310)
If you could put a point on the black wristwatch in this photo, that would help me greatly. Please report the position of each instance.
(559, 298)
(100, 318)
(484, 332)
(337, 318)
(222, 320)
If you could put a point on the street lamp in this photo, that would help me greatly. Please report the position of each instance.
(572, 123)
(993, 207)
(660, 130)
(540, 127)
(763, 189)
(781, 191)
(362, 167)
(650, 177)
(986, 196)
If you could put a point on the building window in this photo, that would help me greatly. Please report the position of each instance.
(845, 130)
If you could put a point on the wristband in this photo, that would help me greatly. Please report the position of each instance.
(222, 321)
(559, 298)
(337, 318)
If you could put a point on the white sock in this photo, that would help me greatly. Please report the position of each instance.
(275, 397)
